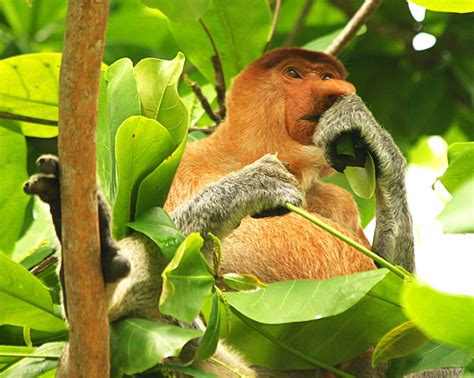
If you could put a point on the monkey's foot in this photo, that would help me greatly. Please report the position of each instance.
(46, 183)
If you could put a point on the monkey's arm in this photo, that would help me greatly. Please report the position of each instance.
(219, 208)
(393, 233)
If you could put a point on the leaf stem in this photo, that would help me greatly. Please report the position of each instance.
(347, 240)
(28, 355)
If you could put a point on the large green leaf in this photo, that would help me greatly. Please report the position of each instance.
(331, 340)
(442, 316)
(458, 215)
(137, 345)
(29, 86)
(119, 100)
(303, 300)
(457, 6)
(159, 227)
(461, 165)
(432, 356)
(157, 82)
(35, 366)
(187, 281)
(13, 174)
(180, 10)
(154, 188)
(239, 40)
(141, 145)
(25, 301)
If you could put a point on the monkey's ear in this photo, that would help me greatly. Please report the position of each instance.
(276, 212)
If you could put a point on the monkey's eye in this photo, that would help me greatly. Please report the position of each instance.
(327, 76)
(293, 73)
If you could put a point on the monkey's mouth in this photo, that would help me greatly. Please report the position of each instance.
(312, 117)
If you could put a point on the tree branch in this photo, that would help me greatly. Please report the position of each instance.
(219, 72)
(290, 40)
(353, 26)
(18, 117)
(202, 99)
(276, 14)
(203, 129)
(87, 354)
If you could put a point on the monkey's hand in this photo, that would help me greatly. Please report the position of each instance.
(349, 116)
(46, 186)
(219, 208)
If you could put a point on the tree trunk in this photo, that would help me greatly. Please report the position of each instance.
(87, 354)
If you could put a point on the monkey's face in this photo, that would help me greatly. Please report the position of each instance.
(310, 87)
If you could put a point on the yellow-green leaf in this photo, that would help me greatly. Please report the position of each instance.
(456, 6)
(362, 180)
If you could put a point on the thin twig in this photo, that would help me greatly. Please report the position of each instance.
(290, 40)
(353, 26)
(43, 265)
(206, 130)
(18, 117)
(202, 99)
(276, 14)
(219, 73)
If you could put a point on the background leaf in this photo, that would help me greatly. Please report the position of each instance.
(13, 201)
(461, 165)
(25, 301)
(159, 227)
(142, 144)
(209, 341)
(137, 344)
(29, 86)
(458, 6)
(187, 281)
(180, 10)
(442, 316)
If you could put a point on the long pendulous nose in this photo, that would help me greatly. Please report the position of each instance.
(328, 91)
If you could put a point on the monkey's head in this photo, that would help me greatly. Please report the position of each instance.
(279, 99)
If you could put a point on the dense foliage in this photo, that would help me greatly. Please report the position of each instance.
(413, 94)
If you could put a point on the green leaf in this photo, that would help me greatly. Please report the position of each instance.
(34, 366)
(195, 109)
(157, 82)
(242, 281)
(239, 40)
(461, 165)
(187, 281)
(208, 344)
(154, 188)
(362, 180)
(25, 301)
(40, 236)
(303, 300)
(400, 341)
(442, 316)
(137, 345)
(457, 6)
(159, 227)
(141, 145)
(432, 356)
(332, 340)
(180, 10)
(458, 215)
(13, 174)
(119, 100)
(322, 43)
(29, 86)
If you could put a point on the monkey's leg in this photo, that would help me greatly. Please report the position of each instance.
(393, 233)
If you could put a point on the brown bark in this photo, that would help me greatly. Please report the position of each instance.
(88, 350)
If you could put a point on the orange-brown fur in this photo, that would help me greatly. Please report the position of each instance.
(264, 108)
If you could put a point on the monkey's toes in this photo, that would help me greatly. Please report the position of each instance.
(48, 164)
(119, 268)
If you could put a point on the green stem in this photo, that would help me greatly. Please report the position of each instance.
(27, 355)
(284, 346)
(346, 239)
